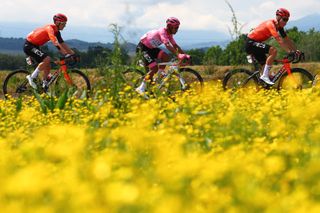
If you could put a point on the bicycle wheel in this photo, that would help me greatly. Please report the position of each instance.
(239, 78)
(299, 79)
(133, 77)
(16, 84)
(192, 80)
(80, 85)
(187, 80)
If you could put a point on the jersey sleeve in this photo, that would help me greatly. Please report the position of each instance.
(52, 35)
(164, 36)
(273, 30)
(58, 36)
(172, 41)
(282, 33)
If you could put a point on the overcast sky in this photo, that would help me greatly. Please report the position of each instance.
(193, 14)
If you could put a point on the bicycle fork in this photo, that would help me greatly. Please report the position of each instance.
(170, 73)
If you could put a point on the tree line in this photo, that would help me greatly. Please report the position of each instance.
(232, 54)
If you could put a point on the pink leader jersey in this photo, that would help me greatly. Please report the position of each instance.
(155, 38)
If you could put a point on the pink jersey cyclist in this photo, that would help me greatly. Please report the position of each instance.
(149, 49)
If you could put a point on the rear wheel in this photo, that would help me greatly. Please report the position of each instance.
(239, 78)
(16, 84)
(298, 79)
(78, 87)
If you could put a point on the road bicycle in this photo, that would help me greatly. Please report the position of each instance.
(174, 79)
(285, 78)
(74, 81)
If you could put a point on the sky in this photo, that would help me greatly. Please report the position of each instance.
(136, 16)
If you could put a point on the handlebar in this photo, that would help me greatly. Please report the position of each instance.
(292, 57)
(70, 60)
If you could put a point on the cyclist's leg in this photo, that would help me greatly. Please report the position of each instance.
(41, 58)
(272, 55)
(163, 57)
(259, 50)
(149, 57)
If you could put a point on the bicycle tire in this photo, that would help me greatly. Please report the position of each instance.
(302, 79)
(239, 78)
(189, 80)
(133, 77)
(80, 87)
(16, 84)
(193, 78)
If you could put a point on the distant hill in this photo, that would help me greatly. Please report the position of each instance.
(306, 23)
(15, 45)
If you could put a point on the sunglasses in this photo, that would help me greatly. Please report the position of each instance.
(285, 19)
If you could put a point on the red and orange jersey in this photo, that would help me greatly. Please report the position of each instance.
(42, 35)
(266, 30)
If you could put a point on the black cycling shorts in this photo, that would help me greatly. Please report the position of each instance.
(258, 49)
(148, 55)
(34, 51)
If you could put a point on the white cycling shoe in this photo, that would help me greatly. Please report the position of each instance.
(266, 80)
(31, 82)
(142, 93)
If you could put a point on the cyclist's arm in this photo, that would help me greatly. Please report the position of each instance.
(56, 40)
(285, 43)
(178, 49)
(290, 43)
(66, 48)
(174, 49)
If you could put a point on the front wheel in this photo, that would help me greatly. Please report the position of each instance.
(185, 80)
(16, 84)
(192, 79)
(298, 79)
(239, 78)
(77, 86)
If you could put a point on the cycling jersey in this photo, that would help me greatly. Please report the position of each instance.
(155, 38)
(44, 34)
(265, 30)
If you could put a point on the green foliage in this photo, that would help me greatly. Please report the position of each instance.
(214, 55)
(11, 62)
(309, 44)
(50, 103)
(197, 55)
(234, 53)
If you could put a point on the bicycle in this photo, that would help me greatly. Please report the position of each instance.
(176, 78)
(62, 79)
(287, 77)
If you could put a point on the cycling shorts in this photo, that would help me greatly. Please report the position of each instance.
(149, 56)
(258, 49)
(34, 51)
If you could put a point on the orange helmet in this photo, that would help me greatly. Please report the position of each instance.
(282, 12)
(60, 17)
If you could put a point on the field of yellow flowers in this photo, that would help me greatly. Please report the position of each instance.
(244, 151)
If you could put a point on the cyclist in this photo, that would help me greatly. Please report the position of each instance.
(39, 37)
(148, 47)
(270, 28)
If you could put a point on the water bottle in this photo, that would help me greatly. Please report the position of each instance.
(249, 59)
(29, 60)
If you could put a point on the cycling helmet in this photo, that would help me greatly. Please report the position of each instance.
(282, 12)
(172, 21)
(60, 17)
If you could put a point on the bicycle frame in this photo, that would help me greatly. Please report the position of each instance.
(286, 67)
(62, 68)
(173, 68)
